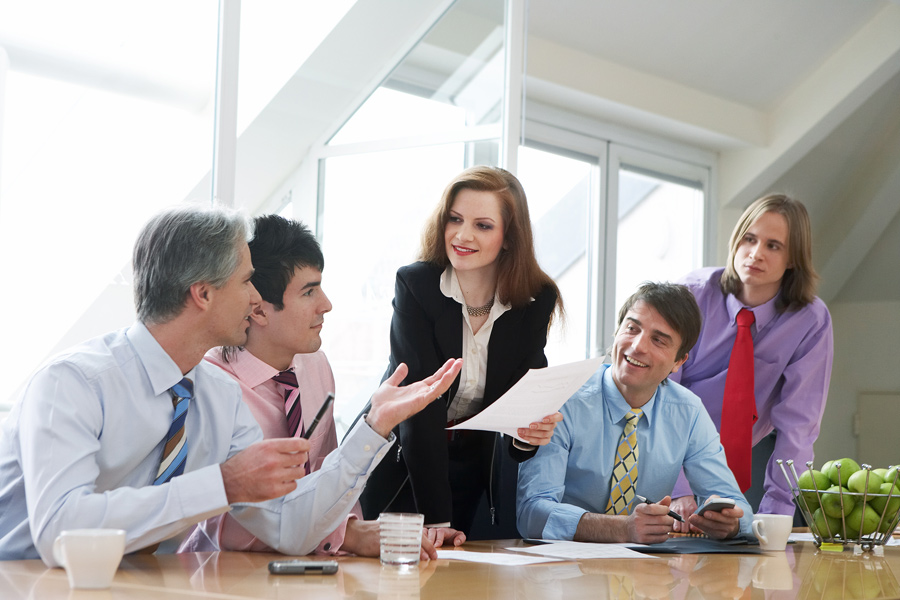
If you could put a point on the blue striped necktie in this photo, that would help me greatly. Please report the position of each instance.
(175, 451)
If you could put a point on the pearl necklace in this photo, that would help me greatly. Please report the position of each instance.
(480, 311)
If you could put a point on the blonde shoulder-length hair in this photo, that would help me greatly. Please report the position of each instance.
(798, 286)
(519, 278)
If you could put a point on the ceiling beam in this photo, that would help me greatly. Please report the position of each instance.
(345, 68)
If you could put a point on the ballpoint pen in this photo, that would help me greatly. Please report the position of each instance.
(672, 513)
(312, 426)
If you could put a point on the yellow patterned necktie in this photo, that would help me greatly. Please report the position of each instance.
(625, 472)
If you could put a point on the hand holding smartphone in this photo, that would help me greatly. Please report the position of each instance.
(715, 505)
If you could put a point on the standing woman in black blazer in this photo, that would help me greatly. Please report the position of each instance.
(478, 293)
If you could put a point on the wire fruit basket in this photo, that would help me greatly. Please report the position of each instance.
(842, 530)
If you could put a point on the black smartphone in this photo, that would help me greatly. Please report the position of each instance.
(715, 505)
(303, 567)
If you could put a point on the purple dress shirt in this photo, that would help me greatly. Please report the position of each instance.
(792, 354)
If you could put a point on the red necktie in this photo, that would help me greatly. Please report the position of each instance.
(739, 403)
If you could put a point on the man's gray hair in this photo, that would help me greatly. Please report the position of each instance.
(180, 247)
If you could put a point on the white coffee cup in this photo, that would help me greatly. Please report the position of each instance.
(772, 531)
(90, 556)
(773, 573)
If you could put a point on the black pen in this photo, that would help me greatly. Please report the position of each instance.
(312, 426)
(672, 513)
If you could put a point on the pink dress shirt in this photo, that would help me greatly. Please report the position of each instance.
(266, 401)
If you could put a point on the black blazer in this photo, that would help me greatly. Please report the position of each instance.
(426, 331)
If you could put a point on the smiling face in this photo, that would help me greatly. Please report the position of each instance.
(232, 303)
(644, 353)
(473, 236)
(296, 328)
(762, 257)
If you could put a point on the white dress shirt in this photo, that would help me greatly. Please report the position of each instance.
(83, 442)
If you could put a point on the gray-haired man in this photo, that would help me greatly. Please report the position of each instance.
(84, 443)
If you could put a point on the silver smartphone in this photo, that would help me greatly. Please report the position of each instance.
(716, 505)
(303, 567)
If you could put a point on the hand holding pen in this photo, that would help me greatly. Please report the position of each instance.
(671, 513)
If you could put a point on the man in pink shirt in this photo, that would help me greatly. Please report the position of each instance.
(283, 342)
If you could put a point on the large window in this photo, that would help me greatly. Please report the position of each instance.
(107, 116)
(103, 126)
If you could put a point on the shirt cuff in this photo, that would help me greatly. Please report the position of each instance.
(433, 525)
(523, 446)
(562, 522)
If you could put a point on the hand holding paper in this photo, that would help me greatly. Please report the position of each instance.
(539, 393)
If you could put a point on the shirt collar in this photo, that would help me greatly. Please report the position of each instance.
(450, 288)
(615, 404)
(763, 314)
(161, 370)
(250, 369)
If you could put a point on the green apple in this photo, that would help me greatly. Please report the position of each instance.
(848, 468)
(891, 474)
(823, 524)
(810, 483)
(879, 502)
(832, 505)
(885, 526)
(826, 467)
(881, 472)
(864, 518)
(865, 481)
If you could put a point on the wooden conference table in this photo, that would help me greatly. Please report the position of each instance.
(802, 571)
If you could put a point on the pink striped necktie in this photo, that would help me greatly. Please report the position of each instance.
(288, 379)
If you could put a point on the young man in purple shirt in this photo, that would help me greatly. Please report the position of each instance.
(769, 272)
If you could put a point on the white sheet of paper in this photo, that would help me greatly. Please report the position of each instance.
(582, 550)
(494, 558)
(539, 393)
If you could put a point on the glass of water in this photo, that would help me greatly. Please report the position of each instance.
(401, 538)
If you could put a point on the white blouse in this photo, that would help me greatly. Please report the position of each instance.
(469, 397)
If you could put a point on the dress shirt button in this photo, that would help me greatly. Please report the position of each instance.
(327, 546)
(367, 447)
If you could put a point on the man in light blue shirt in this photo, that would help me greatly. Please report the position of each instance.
(563, 491)
(83, 443)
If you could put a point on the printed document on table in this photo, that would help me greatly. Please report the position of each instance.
(539, 393)
(582, 550)
(494, 558)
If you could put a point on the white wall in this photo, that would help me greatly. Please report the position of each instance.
(866, 359)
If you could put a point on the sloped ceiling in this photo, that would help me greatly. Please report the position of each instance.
(794, 96)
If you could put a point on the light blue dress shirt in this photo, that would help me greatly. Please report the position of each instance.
(82, 445)
(571, 475)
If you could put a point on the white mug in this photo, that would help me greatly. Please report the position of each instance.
(772, 531)
(773, 573)
(90, 556)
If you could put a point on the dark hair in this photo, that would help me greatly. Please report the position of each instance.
(279, 247)
(798, 286)
(519, 277)
(178, 248)
(676, 304)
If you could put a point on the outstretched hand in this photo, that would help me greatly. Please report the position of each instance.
(392, 404)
